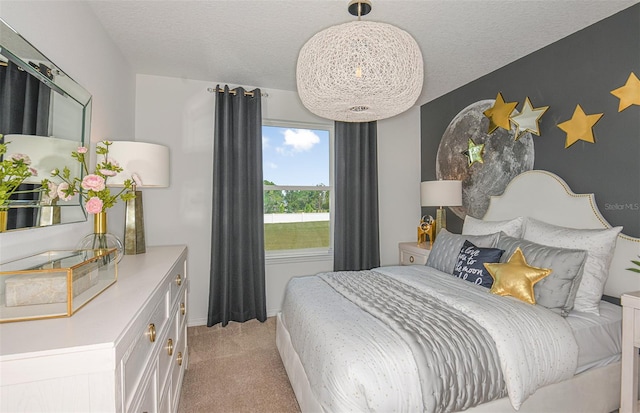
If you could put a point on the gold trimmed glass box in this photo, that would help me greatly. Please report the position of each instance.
(54, 283)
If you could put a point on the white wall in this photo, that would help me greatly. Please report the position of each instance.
(69, 34)
(179, 113)
(398, 182)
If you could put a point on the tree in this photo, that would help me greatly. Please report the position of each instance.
(273, 200)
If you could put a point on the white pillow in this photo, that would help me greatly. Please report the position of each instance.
(475, 226)
(599, 244)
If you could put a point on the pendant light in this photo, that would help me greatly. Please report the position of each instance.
(359, 71)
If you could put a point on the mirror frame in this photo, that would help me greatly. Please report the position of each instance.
(17, 49)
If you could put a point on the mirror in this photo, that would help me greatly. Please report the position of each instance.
(45, 115)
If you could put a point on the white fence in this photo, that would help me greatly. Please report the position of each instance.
(297, 217)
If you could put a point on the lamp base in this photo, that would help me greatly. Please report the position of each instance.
(134, 242)
(441, 220)
(49, 214)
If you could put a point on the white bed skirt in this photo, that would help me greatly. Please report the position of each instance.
(596, 390)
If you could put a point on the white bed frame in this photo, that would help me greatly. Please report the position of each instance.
(544, 196)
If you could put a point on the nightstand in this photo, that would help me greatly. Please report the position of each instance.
(412, 253)
(630, 344)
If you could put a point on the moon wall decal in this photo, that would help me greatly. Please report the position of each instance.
(504, 158)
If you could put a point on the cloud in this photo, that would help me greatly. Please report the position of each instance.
(300, 140)
(272, 165)
(265, 142)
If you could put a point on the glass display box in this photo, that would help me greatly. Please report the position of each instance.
(54, 283)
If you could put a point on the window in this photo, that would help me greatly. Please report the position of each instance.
(298, 181)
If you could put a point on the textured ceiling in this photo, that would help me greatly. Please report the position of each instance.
(256, 43)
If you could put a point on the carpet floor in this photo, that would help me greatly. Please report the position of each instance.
(236, 369)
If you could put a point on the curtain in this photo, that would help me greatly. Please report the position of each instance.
(24, 102)
(237, 283)
(356, 239)
(24, 109)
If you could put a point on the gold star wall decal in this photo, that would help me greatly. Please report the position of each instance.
(474, 152)
(499, 114)
(528, 120)
(515, 277)
(629, 94)
(580, 127)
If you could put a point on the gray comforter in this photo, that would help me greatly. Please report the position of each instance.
(457, 360)
(416, 339)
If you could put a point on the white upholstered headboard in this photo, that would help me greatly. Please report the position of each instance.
(545, 196)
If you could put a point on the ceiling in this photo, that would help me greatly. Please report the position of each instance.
(256, 43)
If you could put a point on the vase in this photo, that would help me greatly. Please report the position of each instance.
(100, 238)
(3, 220)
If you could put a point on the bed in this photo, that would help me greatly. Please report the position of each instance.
(416, 338)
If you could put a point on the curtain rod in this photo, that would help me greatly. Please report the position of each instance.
(233, 92)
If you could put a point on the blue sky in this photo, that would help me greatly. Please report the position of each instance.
(295, 156)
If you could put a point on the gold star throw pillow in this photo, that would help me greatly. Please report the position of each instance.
(515, 277)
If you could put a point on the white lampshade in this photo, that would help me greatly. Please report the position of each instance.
(149, 161)
(441, 193)
(360, 72)
(46, 153)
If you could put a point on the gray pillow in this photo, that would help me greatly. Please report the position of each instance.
(557, 291)
(445, 250)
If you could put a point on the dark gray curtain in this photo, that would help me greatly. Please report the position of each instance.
(356, 240)
(24, 102)
(24, 109)
(237, 286)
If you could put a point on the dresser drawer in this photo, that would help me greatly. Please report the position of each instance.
(180, 360)
(182, 312)
(412, 253)
(147, 398)
(165, 401)
(177, 280)
(168, 351)
(409, 258)
(136, 359)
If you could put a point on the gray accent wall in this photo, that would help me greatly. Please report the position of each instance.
(582, 68)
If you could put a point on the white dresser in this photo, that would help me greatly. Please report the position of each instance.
(125, 351)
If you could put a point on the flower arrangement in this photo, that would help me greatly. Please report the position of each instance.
(14, 169)
(93, 187)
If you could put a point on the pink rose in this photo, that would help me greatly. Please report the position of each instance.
(51, 191)
(82, 149)
(93, 182)
(63, 188)
(107, 172)
(112, 162)
(34, 172)
(94, 205)
(17, 157)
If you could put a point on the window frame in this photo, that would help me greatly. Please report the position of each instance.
(305, 254)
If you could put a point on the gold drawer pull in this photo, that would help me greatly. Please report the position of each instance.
(152, 332)
(411, 259)
(170, 347)
(179, 358)
(179, 280)
(183, 309)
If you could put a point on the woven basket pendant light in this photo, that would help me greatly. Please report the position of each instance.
(359, 71)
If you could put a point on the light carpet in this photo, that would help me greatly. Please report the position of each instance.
(236, 369)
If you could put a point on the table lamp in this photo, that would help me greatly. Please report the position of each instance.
(150, 162)
(440, 194)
